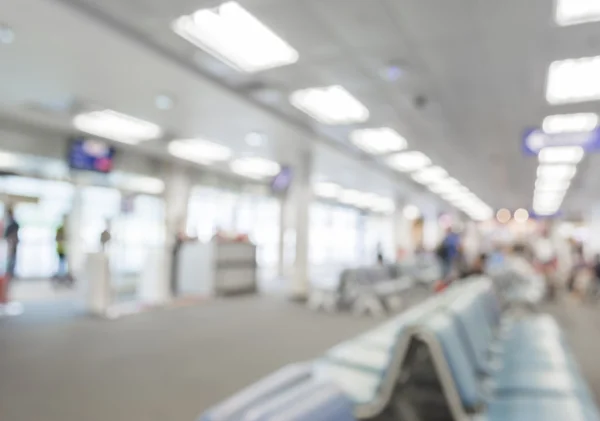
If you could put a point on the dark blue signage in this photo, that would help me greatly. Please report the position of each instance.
(91, 155)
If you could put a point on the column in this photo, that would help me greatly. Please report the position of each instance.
(592, 245)
(403, 236)
(431, 229)
(74, 228)
(156, 283)
(295, 228)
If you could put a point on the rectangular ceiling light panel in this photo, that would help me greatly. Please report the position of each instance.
(560, 172)
(233, 35)
(330, 105)
(199, 150)
(379, 141)
(561, 155)
(570, 123)
(113, 125)
(327, 190)
(573, 80)
(573, 12)
(408, 161)
(430, 175)
(255, 167)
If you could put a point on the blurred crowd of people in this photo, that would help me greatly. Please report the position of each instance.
(561, 262)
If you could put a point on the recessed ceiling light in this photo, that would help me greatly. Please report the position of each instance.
(572, 12)
(503, 216)
(561, 155)
(7, 35)
(255, 167)
(199, 150)
(560, 172)
(408, 161)
(116, 126)
(164, 102)
(233, 35)
(411, 212)
(327, 190)
(573, 80)
(521, 215)
(382, 204)
(351, 197)
(570, 123)
(378, 141)
(430, 175)
(139, 183)
(255, 139)
(330, 105)
(552, 185)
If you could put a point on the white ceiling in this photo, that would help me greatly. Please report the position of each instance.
(481, 64)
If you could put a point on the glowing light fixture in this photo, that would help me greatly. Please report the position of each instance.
(330, 105)
(255, 167)
(231, 34)
(561, 155)
(116, 126)
(408, 161)
(430, 175)
(199, 150)
(573, 12)
(561, 172)
(521, 215)
(327, 190)
(503, 216)
(411, 212)
(570, 123)
(573, 80)
(378, 141)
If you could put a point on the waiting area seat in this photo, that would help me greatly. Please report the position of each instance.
(457, 356)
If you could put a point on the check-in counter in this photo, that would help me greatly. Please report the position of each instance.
(216, 268)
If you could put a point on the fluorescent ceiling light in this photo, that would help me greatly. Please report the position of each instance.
(233, 35)
(572, 12)
(430, 175)
(561, 155)
(255, 167)
(327, 190)
(143, 184)
(382, 204)
(330, 105)
(448, 186)
(199, 150)
(116, 126)
(521, 215)
(351, 197)
(378, 141)
(408, 161)
(573, 80)
(561, 172)
(411, 212)
(551, 185)
(570, 123)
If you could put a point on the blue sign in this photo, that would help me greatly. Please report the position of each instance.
(536, 139)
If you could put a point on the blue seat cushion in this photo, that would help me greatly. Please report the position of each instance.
(360, 385)
(542, 409)
(550, 382)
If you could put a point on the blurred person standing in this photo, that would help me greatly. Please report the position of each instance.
(546, 260)
(11, 235)
(447, 252)
(105, 236)
(63, 275)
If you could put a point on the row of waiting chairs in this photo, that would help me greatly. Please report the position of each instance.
(365, 290)
(457, 356)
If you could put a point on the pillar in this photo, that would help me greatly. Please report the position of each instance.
(74, 227)
(295, 228)
(403, 235)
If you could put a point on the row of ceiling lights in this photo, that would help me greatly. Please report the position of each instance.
(233, 35)
(568, 81)
(361, 200)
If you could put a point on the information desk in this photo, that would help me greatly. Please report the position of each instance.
(216, 268)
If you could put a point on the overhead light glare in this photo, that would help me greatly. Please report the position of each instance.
(378, 141)
(570, 123)
(113, 125)
(430, 175)
(330, 105)
(233, 35)
(255, 167)
(559, 172)
(199, 150)
(408, 161)
(561, 155)
(411, 212)
(327, 190)
(573, 80)
(573, 12)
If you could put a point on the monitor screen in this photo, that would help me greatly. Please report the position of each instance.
(91, 155)
(281, 182)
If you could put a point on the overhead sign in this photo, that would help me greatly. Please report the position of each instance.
(536, 139)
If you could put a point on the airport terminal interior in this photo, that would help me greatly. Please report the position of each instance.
(300, 210)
